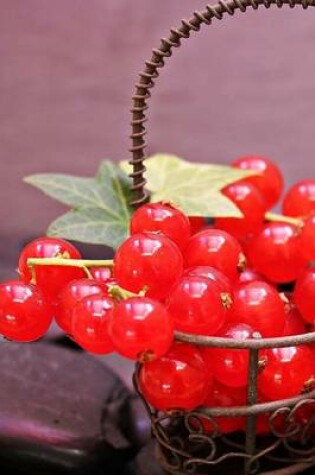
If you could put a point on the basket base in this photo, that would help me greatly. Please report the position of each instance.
(146, 463)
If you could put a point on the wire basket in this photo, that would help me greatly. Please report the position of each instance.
(184, 447)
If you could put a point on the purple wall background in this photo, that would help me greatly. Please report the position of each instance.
(245, 85)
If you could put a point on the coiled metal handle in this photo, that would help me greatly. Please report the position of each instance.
(151, 71)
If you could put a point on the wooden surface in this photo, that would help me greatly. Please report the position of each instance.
(67, 73)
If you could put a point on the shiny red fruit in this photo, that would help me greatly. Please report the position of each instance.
(52, 279)
(197, 224)
(24, 314)
(275, 252)
(294, 323)
(212, 274)
(230, 366)
(101, 274)
(304, 295)
(164, 219)
(248, 275)
(89, 324)
(75, 291)
(178, 380)
(287, 373)
(215, 248)
(259, 305)
(300, 199)
(141, 328)
(307, 239)
(222, 396)
(269, 180)
(196, 305)
(250, 202)
(149, 261)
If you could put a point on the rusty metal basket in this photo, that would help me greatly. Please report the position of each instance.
(183, 445)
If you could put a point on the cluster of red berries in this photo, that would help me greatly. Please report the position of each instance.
(175, 273)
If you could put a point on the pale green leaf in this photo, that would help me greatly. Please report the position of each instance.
(92, 225)
(101, 211)
(193, 187)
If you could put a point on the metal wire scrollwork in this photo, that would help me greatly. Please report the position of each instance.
(192, 443)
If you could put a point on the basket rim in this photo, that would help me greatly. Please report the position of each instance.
(256, 343)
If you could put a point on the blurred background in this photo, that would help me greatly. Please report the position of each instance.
(245, 85)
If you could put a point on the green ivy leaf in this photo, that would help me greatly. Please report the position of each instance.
(193, 187)
(91, 225)
(101, 211)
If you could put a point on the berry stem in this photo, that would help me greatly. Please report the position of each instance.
(55, 261)
(283, 219)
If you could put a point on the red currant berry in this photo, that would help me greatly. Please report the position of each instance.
(294, 323)
(259, 305)
(75, 291)
(288, 372)
(101, 274)
(269, 180)
(250, 202)
(50, 280)
(196, 305)
(178, 380)
(275, 253)
(300, 199)
(223, 396)
(212, 274)
(164, 219)
(230, 366)
(148, 261)
(141, 328)
(215, 248)
(304, 295)
(197, 224)
(90, 321)
(262, 424)
(248, 275)
(307, 239)
(24, 314)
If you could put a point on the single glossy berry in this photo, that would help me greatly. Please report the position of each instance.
(304, 295)
(259, 305)
(250, 202)
(197, 306)
(24, 314)
(101, 274)
(248, 275)
(230, 366)
(215, 248)
(141, 328)
(212, 274)
(149, 261)
(197, 224)
(164, 219)
(275, 252)
(178, 380)
(300, 199)
(268, 180)
(73, 292)
(221, 396)
(287, 372)
(50, 279)
(307, 239)
(294, 323)
(89, 323)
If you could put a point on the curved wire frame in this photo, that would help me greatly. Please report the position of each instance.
(189, 442)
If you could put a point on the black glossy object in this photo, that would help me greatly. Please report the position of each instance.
(60, 412)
